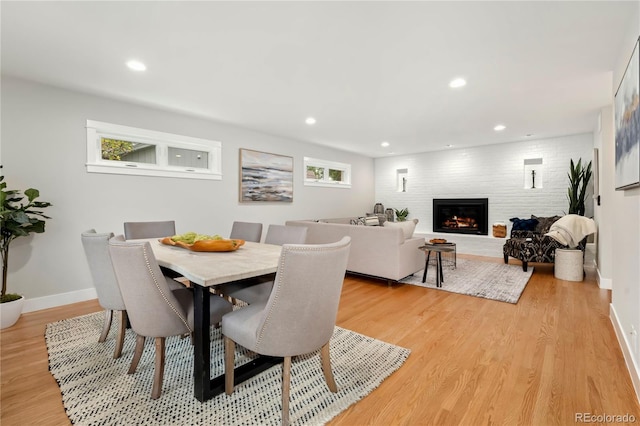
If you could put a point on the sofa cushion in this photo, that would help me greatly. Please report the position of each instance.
(524, 224)
(544, 223)
(407, 227)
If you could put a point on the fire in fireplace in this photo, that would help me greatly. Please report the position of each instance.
(461, 215)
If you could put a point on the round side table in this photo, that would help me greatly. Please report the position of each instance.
(438, 249)
(569, 265)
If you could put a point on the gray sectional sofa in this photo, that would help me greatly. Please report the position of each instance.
(377, 251)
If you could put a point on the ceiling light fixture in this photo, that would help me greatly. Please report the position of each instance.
(499, 127)
(136, 65)
(310, 121)
(449, 145)
(384, 144)
(458, 82)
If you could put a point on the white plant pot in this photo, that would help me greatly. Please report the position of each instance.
(10, 312)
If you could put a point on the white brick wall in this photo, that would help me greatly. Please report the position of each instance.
(495, 172)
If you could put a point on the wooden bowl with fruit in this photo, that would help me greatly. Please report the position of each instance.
(438, 241)
(202, 242)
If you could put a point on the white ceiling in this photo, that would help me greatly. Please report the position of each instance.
(367, 71)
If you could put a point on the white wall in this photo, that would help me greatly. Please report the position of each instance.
(43, 146)
(495, 172)
(623, 207)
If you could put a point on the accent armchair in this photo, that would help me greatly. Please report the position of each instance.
(531, 244)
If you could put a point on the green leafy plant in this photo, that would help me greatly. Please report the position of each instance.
(401, 215)
(114, 149)
(18, 219)
(579, 177)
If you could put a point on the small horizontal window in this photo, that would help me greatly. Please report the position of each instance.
(117, 149)
(326, 173)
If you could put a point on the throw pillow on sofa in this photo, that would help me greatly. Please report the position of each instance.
(381, 218)
(407, 227)
(372, 221)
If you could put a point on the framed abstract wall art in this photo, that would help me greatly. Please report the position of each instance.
(627, 125)
(265, 177)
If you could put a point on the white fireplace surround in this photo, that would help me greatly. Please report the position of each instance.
(495, 172)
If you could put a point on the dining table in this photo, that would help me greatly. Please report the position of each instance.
(205, 270)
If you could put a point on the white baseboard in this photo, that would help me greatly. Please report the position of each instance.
(604, 283)
(56, 300)
(634, 371)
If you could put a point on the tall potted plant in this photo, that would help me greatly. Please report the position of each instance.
(579, 176)
(18, 219)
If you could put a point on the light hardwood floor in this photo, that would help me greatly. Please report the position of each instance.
(472, 362)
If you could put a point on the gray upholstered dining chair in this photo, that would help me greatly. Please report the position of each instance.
(282, 234)
(96, 249)
(299, 316)
(153, 309)
(258, 290)
(248, 231)
(137, 230)
(165, 228)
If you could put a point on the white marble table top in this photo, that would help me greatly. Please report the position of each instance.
(213, 268)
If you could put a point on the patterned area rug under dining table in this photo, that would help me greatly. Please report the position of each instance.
(489, 280)
(96, 389)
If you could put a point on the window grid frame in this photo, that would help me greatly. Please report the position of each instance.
(327, 165)
(97, 130)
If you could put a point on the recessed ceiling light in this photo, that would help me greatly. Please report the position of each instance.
(499, 127)
(529, 135)
(310, 121)
(136, 65)
(458, 82)
(384, 144)
(449, 145)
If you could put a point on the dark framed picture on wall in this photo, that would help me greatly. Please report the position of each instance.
(627, 124)
(265, 177)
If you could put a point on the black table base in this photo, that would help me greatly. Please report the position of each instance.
(204, 387)
(244, 372)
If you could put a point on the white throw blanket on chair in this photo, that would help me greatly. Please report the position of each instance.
(571, 229)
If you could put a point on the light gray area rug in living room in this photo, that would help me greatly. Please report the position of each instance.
(496, 281)
(96, 389)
